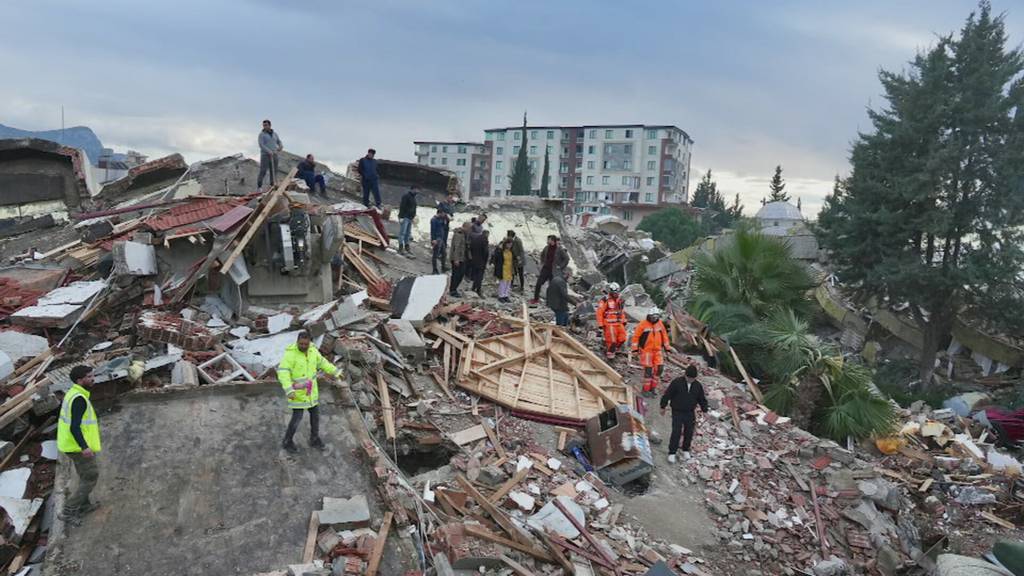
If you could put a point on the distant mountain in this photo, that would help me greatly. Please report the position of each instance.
(78, 137)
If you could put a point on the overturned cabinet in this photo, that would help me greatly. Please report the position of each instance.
(619, 446)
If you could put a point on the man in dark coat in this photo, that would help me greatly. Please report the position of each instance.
(479, 252)
(684, 394)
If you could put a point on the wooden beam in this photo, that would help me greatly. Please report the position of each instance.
(388, 411)
(516, 567)
(586, 535)
(496, 514)
(255, 224)
(513, 359)
(508, 486)
(484, 533)
(746, 377)
(586, 352)
(373, 564)
(595, 389)
(311, 532)
(493, 436)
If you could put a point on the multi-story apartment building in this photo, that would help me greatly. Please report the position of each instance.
(622, 170)
(469, 161)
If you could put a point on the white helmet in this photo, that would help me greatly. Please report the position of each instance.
(655, 311)
(613, 287)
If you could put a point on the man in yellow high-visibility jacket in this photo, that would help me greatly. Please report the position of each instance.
(297, 374)
(78, 437)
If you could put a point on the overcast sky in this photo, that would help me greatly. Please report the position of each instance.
(754, 83)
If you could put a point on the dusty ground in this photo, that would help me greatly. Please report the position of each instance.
(195, 483)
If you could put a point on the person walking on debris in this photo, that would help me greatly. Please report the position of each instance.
(270, 145)
(650, 338)
(78, 437)
(306, 171)
(504, 261)
(684, 394)
(406, 214)
(448, 205)
(438, 237)
(611, 317)
(558, 297)
(479, 251)
(367, 168)
(552, 258)
(459, 259)
(297, 374)
(520, 254)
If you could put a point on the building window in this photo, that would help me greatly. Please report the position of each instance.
(649, 197)
(563, 167)
(533, 134)
(627, 164)
(627, 149)
(548, 148)
(460, 161)
(591, 149)
(650, 180)
(515, 150)
(593, 133)
(433, 161)
(652, 165)
(532, 164)
(652, 150)
(579, 180)
(608, 133)
(605, 165)
(499, 165)
(579, 148)
(433, 148)
(590, 179)
(627, 215)
(533, 149)
(518, 135)
(501, 135)
(629, 133)
(590, 164)
(652, 134)
(605, 179)
(551, 134)
(579, 163)
(444, 161)
(497, 179)
(500, 151)
(565, 181)
(462, 149)
(579, 134)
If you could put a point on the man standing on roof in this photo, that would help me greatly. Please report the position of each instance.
(297, 374)
(406, 214)
(78, 437)
(270, 145)
(650, 339)
(611, 317)
(306, 171)
(553, 258)
(367, 168)
(685, 394)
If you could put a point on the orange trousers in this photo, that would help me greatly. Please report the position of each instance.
(614, 336)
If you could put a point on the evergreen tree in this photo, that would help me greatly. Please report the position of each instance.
(736, 210)
(545, 176)
(672, 227)
(933, 212)
(705, 191)
(522, 176)
(778, 187)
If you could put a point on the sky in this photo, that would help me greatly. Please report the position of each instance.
(754, 83)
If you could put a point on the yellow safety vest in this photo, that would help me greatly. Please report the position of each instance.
(90, 424)
(297, 366)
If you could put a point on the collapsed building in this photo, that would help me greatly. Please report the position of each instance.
(467, 434)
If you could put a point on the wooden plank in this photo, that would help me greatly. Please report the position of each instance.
(997, 520)
(799, 479)
(598, 362)
(388, 411)
(311, 531)
(508, 485)
(15, 412)
(925, 485)
(560, 558)
(21, 444)
(516, 567)
(16, 375)
(471, 434)
(444, 387)
(254, 226)
(485, 534)
(496, 514)
(586, 535)
(373, 564)
(447, 358)
(493, 436)
(818, 526)
(596, 390)
(746, 377)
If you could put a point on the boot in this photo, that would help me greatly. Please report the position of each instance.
(290, 447)
(317, 443)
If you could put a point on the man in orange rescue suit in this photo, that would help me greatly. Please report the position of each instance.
(649, 339)
(611, 316)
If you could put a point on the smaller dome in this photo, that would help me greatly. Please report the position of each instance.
(779, 211)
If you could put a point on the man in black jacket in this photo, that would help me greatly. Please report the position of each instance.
(479, 252)
(406, 213)
(558, 298)
(685, 394)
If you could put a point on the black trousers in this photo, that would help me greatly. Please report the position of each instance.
(293, 424)
(476, 274)
(545, 275)
(458, 272)
(681, 423)
(521, 274)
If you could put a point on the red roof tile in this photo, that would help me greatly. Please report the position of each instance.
(195, 211)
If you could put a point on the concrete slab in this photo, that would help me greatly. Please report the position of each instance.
(414, 297)
(14, 482)
(279, 322)
(135, 258)
(345, 513)
(194, 482)
(410, 344)
(19, 345)
(21, 512)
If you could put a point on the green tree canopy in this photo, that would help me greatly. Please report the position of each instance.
(672, 227)
(933, 212)
(778, 187)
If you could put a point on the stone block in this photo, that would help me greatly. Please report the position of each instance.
(410, 344)
(342, 513)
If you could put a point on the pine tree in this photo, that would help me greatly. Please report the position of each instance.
(522, 176)
(705, 191)
(736, 210)
(546, 174)
(778, 187)
(933, 211)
